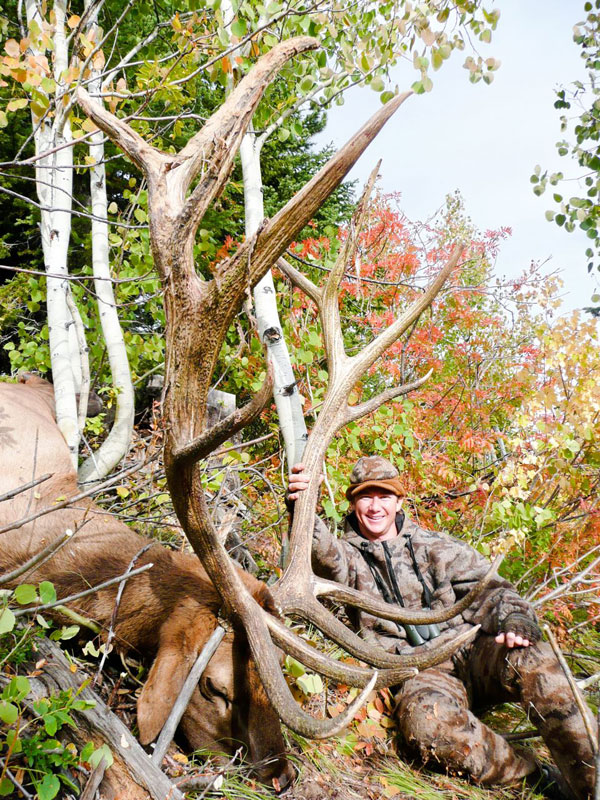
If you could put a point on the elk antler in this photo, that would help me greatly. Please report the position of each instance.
(198, 315)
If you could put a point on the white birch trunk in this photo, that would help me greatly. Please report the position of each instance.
(116, 445)
(285, 391)
(54, 186)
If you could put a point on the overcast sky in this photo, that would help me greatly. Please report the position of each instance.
(486, 140)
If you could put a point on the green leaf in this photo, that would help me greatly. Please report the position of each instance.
(8, 713)
(16, 104)
(69, 632)
(47, 592)
(7, 621)
(310, 684)
(283, 134)
(87, 751)
(239, 28)
(377, 84)
(50, 724)
(99, 754)
(48, 787)
(6, 787)
(21, 687)
(25, 594)
(294, 668)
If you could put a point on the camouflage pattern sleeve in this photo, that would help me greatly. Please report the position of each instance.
(330, 555)
(463, 566)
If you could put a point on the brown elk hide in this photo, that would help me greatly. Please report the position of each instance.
(166, 614)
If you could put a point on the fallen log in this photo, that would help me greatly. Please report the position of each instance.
(132, 776)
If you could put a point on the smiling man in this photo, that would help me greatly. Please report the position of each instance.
(386, 554)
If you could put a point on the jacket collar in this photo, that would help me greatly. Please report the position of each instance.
(353, 535)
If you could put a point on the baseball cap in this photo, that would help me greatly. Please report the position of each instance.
(373, 472)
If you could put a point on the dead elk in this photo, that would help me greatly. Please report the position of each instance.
(165, 614)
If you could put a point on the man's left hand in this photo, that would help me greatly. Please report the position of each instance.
(518, 630)
(512, 639)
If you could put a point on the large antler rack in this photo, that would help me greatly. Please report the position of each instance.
(198, 315)
(298, 589)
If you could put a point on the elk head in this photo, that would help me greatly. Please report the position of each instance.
(198, 314)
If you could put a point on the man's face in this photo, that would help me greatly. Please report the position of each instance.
(376, 511)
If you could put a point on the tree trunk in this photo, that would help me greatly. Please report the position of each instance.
(116, 445)
(285, 391)
(54, 186)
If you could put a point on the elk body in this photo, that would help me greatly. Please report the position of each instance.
(165, 614)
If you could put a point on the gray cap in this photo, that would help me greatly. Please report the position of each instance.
(373, 472)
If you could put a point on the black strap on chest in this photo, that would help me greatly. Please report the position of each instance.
(415, 634)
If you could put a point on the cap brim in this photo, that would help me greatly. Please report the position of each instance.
(392, 486)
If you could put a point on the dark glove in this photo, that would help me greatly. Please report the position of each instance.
(521, 625)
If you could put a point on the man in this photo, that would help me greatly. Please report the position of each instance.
(384, 553)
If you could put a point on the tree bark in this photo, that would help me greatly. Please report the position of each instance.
(285, 391)
(54, 186)
(116, 445)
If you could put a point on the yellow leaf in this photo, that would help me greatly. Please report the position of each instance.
(11, 46)
(89, 126)
(73, 21)
(15, 105)
(99, 60)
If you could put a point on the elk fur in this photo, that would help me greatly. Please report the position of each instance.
(165, 614)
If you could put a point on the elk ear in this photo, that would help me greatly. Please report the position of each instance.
(176, 656)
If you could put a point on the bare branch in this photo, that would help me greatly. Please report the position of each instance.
(189, 686)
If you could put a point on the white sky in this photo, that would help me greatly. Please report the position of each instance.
(486, 140)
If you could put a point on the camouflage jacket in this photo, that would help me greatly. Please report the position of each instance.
(449, 567)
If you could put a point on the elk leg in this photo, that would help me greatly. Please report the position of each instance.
(533, 677)
(439, 730)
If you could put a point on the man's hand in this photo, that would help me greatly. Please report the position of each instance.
(298, 482)
(512, 639)
(518, 630)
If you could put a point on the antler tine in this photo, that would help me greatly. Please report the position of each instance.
(362, 409)
(213, 437)
(351, 674)
(363, 360)
(278, 692)
(328, 304)
(348, 251)
(276, 234)
(300, 280)
(352, 597)
(311, 610)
